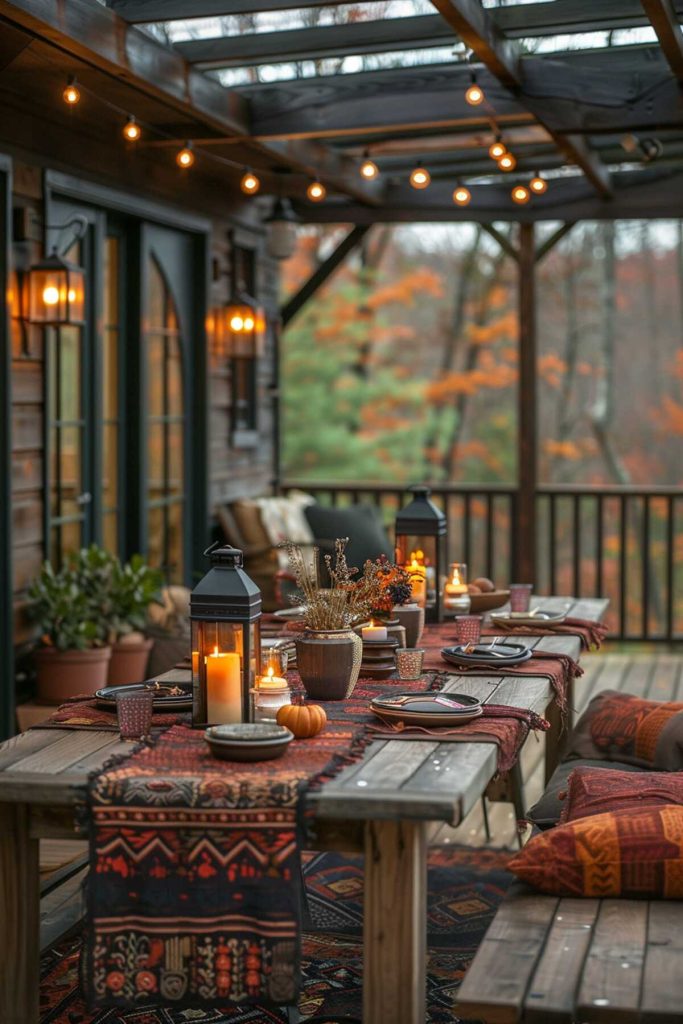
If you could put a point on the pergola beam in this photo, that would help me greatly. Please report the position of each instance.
(664, 20)
(472, 23)
(322, 273)
(355, 37)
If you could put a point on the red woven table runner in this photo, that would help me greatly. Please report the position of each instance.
(194, 872)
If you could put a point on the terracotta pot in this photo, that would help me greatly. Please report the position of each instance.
(413, 619)
(64, 674)
(328, 662)
(129, 662)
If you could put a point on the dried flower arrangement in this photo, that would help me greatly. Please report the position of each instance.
(343, 604)
(394, 585)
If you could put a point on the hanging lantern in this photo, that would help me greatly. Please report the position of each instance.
(225, 609)
(243, 327)
(282, 224)
(55, 292)
(421, 530)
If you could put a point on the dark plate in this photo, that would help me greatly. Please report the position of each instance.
(254, 741)
(427, 710)
(517, 656)
(106, 697)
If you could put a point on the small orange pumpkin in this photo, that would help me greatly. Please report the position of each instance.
(304, 720)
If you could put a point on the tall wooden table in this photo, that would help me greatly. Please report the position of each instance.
(392, 794)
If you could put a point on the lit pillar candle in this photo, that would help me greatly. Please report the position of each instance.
(373, 632)
(223, 688)
(270, 681)
(195, 663)
(418, 580)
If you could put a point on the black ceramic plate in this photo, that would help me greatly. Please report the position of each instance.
(165, 701)
(501, 654)
(427, 709)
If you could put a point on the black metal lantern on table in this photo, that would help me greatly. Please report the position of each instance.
(421, 530)
(225, 611)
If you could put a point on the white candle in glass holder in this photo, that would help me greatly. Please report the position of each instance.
(456, 594)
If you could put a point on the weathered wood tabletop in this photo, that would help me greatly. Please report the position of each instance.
(396, 790)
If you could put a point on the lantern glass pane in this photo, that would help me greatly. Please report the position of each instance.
(418, 554)
(75, 297)
(218, 650)
(47, 296)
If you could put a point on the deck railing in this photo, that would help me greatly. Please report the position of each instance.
(624, 543)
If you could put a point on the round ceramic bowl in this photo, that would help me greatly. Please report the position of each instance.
(486, 602)
(251, 741)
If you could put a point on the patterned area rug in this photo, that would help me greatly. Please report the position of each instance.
(466, 886)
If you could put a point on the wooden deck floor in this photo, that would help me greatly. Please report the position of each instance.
(652, 675)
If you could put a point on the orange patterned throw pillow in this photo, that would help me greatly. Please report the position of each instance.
(625, 853)
(620, 727)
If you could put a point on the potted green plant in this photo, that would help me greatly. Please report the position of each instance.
(134, 586)
(73, 655)
(328, 651)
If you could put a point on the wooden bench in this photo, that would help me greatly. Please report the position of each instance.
(546, 960)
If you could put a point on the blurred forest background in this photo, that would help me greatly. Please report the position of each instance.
(404, 366)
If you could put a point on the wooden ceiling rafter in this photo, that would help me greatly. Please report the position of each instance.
(471, 22)
(664, 20)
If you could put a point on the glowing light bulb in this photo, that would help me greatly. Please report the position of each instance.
(461, 195)
(72, 93)
(71, 295)
(420, 177)
(474, 94)
(236, 323)
(50, 295)
(250, 184)
(369, 169)
(521, 194)
(538, 184)
(316, 191)
(497, 149)
(185, 156)
(507, 162)
(132, 130)
(249, 323)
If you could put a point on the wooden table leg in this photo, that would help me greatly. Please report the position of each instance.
(19, 918)
(395, 923)
(558, 735)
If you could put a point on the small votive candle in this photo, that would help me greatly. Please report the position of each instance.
(409, 662)
(268, 697)
(455, 593)
(275, 658)
(373, 632)
(269, 681)
(468, 629)
(520, 596)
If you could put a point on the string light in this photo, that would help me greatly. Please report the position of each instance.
(507, 162)
(420, 177)
(185, 156)
(538, 184)
(368, 169)
(521, 194)
(497, 149)
(461, 195)
(131, 129)
(72, 93)
(250, 184)
(316, 191)
(475, 93)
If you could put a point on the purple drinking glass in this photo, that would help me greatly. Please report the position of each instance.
(468, 629)
(134, 712)
(520, 596)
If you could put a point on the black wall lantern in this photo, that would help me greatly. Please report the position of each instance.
(225, 611)
(55, 292)
(421, 530)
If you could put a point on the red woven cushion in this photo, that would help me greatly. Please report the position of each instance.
(620, 727)
(625, 853)
(599, 790)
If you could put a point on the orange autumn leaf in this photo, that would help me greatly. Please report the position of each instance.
(670, 418)
(562, 449)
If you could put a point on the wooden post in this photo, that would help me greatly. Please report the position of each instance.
(19, 918)
(527, 462)
(395, 923)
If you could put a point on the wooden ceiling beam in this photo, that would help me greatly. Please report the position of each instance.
(646, 194)
(474, 26)
(98, 37)
(356, 37)
(664, 20)
(518, 20)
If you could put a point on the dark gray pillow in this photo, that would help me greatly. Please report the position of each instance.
(362, 524)
(546, 812)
